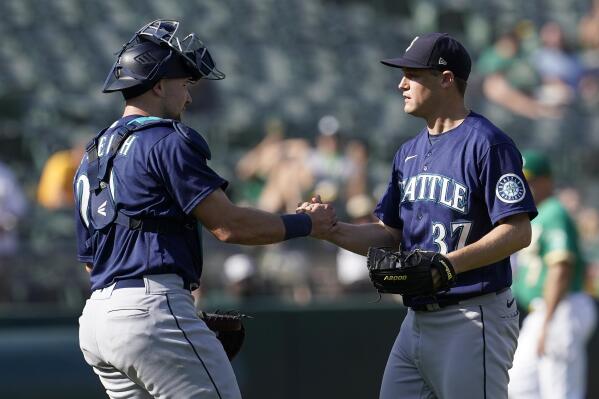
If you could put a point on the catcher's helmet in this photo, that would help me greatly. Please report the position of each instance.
(153, 53)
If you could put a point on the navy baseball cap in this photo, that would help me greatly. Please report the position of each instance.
(435, 51)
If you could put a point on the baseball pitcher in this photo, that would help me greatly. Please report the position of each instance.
(456, 207)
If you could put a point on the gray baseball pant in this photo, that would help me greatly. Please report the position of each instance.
(462, 351)
(149, 342)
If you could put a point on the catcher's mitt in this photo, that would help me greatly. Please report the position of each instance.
(409, 273)
(228, 328)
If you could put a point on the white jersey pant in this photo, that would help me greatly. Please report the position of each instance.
(458, 352)
(148, 342)
(561, 372)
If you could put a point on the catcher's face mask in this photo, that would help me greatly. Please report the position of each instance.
(155, 52)
(191, 48)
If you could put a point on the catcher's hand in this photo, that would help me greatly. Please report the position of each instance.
(228, 328)
(409, 273)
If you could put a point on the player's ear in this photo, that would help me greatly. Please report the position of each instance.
(447, 79)
(158, 88)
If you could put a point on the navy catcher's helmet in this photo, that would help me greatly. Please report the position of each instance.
(153, 53)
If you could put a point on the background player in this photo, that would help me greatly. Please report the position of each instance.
(456, 188)
(139, 189)
(551, 358)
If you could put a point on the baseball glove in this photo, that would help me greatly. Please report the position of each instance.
(409, 273)
(228, 328)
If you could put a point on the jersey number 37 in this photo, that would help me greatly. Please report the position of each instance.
(459, 229)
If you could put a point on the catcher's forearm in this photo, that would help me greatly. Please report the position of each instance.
(250, 226)
(238, 225)
(359, 237)
(504, 240)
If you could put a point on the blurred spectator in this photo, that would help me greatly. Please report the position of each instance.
(587, 220)
(510, 81)
(352, 272)
(287, 270)
(589, 91)
(559, 70)
(240, 276)
(588, 28)
(55, 188)
(240, 282)
(276, 168)
(290, 169)
(12, 209)
(328, 165)
(356, 154)
(588, 31)
(569, 197)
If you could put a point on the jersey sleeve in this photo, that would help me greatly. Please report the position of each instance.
(184, 170)
(84, 248)
(506, 191)
(559, 238)
(387, 209)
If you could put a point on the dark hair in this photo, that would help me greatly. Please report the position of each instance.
(461, 85)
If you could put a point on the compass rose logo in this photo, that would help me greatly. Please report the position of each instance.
(510, 188)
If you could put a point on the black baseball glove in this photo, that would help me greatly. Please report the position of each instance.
(228, 328)
(409, 272)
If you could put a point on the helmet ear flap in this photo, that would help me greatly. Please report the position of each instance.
(140, 64)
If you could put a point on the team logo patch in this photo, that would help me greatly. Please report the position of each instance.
(510, 188)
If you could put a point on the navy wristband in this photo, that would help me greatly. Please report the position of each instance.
(297, 225)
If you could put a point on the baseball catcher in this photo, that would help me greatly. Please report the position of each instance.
(409, 272)
(228, 328)
(143, 188)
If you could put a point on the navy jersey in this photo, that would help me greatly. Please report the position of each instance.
(158, 172)
(450, 190)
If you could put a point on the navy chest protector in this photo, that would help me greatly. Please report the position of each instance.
(103, 211)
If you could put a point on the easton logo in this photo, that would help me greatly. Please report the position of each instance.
(102, 208)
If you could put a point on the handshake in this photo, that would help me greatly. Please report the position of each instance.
(324, 219)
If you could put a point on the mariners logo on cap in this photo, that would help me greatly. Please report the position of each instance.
(510, 188)
(412, 43)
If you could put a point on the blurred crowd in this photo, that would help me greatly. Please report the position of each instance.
(277, 175)
(548, 76)
(534, 80)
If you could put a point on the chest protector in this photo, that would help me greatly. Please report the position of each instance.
(102, 210)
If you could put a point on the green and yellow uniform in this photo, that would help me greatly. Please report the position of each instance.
(554, 239)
